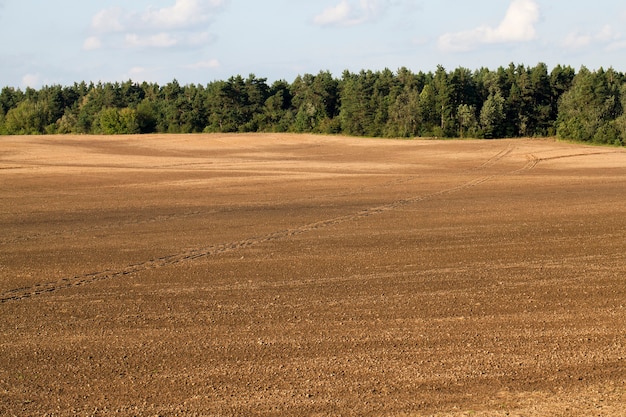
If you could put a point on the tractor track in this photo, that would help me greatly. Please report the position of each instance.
(78, 280)
(494, 159)
(212, 250)
(534, 160)
(68, 233)
(197, 213)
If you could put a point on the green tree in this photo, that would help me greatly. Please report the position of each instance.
(356, 113)
(277, 114)
(539, 105)
(108, 121)
(427, 112)
(113, 121)
(561, 79)
(444, 102)
(308, 104)
(510, 101)
(3, 129)
(492, 116)
(128, 121)
(28, 118)
(9, 99)
(256, 92)
(468, 125)
(588, 108)
(315, 100)
(147, 117)
(620, 121)
(237, 104)
(67, 123)
(384, 92)
(131, 94)
(464, 97)
(403, 114)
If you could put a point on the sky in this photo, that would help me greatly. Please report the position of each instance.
(46, 42)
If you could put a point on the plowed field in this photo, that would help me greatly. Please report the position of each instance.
(237, 275)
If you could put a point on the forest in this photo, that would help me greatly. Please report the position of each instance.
(514, 101)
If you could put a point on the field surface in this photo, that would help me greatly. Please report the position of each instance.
(239, 275)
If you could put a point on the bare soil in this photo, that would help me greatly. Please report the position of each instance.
(282, 275)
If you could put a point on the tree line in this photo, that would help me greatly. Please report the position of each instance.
(513, 101)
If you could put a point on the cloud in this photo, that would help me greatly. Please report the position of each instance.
(334, 15)
(31, 80)
(183, 23)
(616, 46)
(200, 38)
(92, 43)
(183, 13)
(167, 40)
(607, 35)
(345, 13)
(108, 20)
(518, 25)
(160, 40)
(137, 70)
(210, 64)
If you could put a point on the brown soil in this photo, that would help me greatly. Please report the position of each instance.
(282, 275)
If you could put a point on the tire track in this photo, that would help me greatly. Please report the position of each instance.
(532, 163)
(213, 250)
(2, 168)
(494, 159)
(534, 160)
(167, 217)
(57, 233)
(550, 158)
(196, 213)
(78, 280)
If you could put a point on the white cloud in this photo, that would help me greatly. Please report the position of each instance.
(200, 38)
(92, 43)
(137, 70)
(616, 46)
(334, 15)
(345, 13)
(607, 34)
(518, 25)
(160, 40)
(184, 22)
(31, 80)
(108, 20)
(576, 40)
(182, 14)
(210, 64)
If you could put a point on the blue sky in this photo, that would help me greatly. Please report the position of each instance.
(199, 41)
